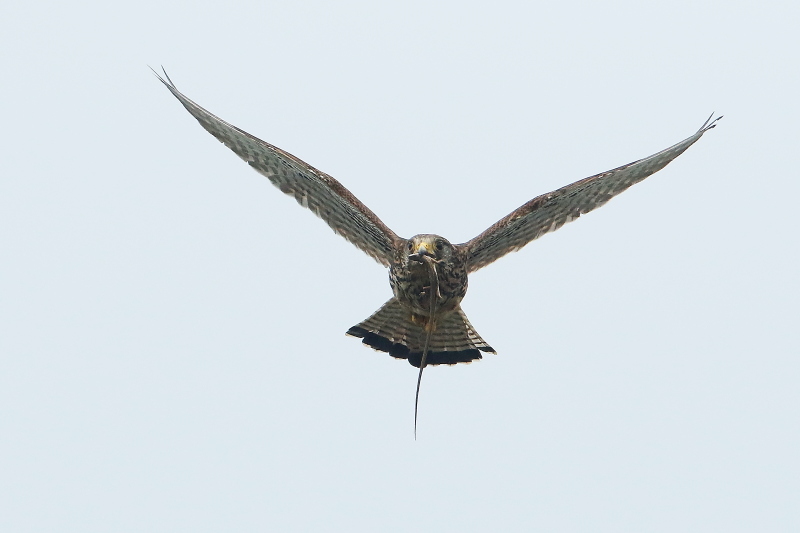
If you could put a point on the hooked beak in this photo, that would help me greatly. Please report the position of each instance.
(420, 251)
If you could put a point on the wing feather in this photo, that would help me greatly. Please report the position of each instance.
(550, 211)
(313, 189)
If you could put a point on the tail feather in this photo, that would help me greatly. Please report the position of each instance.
(391, 330)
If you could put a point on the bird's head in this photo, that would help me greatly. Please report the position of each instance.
(433, 246)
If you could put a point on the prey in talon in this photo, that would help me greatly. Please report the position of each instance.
(423, 321)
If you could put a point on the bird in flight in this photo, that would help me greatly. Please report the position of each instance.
(423, 321)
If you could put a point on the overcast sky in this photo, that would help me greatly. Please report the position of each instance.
(172, 348)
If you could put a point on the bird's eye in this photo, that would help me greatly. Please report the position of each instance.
(410, 246)
(439, 246)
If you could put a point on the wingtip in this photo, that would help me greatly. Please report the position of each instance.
(710, 123)
(166, 80)
(167, 76)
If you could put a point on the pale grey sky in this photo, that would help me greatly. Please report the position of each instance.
(172, 348)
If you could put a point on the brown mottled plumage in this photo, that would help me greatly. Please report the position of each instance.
(404, 323)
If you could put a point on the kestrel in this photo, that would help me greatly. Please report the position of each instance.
(423, 321)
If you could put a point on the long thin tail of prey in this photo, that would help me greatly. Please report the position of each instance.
(433, 296)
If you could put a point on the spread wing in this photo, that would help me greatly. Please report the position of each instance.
(313, 189)
(550, 211)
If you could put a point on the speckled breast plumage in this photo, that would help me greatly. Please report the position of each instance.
(411, 282)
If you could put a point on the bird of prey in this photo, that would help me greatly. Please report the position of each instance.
(423, 322)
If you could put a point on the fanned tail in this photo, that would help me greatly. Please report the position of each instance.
(391, 330)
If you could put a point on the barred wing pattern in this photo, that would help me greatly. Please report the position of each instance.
(312, 189)
(550, 211)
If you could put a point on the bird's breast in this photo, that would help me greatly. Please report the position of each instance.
(411, 284)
